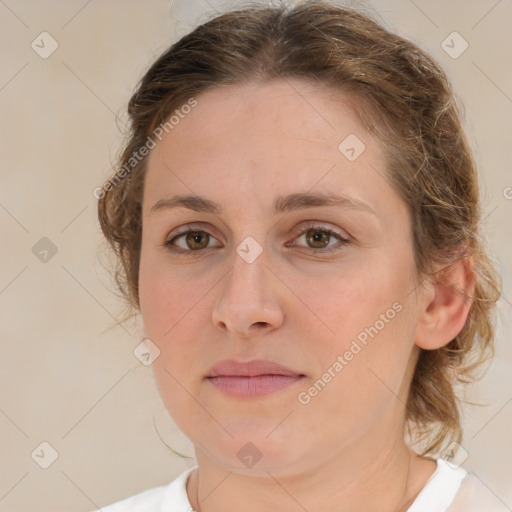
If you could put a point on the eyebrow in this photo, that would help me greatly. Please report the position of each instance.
(282, 204)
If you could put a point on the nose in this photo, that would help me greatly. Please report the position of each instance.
(249, 300)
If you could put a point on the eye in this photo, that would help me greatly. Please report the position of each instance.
(318, 238)
(192, 240)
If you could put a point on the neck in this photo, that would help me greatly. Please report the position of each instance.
(375, 478)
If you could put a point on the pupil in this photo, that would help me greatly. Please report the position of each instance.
(194, 240)
(319, 236)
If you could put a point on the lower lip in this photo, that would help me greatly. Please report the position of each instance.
(259, 385)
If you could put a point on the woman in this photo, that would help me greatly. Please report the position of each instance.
(296, 220)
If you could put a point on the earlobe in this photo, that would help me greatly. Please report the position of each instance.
(444, 315)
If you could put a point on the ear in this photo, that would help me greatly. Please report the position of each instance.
(446, 303)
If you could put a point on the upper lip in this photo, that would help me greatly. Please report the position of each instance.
(231, 367)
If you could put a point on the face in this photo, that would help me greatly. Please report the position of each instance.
(299, 254)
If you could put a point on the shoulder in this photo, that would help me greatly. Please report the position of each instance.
(454, 489)
(441, 488)
(158, 499)
(475, 496)
(147, 500)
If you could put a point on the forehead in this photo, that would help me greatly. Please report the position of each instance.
(300, 108)
(288, 120)
(258, 141)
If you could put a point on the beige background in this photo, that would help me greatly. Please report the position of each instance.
(68, 375)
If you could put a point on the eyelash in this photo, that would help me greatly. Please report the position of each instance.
(322, 229)
(342, 241)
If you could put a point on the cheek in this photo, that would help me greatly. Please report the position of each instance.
(365, 316)
(166, 300)
(170, 372)
(359, 381)
(344, 302)
(174, 310)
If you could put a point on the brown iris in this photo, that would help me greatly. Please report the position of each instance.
(314, 237)
(197, 239)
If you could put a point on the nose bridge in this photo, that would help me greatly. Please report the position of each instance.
(247, 295)
(249, 269)
(246, 281)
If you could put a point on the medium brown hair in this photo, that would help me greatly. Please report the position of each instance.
(405, 99)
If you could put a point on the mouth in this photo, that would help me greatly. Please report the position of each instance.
(251, 379)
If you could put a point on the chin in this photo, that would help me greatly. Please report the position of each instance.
(251, 450)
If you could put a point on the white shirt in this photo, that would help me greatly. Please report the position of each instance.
(450, 489)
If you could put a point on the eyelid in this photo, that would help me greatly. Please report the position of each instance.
(183, 230)
(193, 226)
(344, 238)
(315, 224)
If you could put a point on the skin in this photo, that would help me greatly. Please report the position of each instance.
(242, 146)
